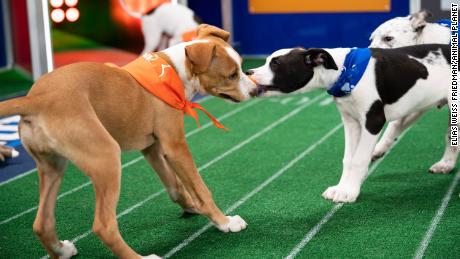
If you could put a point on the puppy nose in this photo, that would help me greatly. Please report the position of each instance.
(249, 72)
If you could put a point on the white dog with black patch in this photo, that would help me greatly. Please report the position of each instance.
(175, 20)
(406, 31)
(368, 88)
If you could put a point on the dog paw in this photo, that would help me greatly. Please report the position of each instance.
(235, 224)
(152, 256)
(442, 167)
(378, 152)
(67, 250)
(341, 194)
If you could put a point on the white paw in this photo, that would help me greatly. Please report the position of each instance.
(379, 151)
(341, 194)
(152, 256)
(442, 167)
(235, 224)
(67, 250)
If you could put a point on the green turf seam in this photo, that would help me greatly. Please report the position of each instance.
(255, 190)
(216, 159)
(313, 231)
(436, 219)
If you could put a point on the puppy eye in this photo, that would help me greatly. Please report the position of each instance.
(233, 76)
(388, 38)
(275, 61)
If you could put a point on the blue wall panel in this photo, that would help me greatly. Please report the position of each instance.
(256, 34)
(207, 10)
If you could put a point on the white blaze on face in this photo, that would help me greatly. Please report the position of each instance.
(245, 84)
(394, 33)
(264, 75)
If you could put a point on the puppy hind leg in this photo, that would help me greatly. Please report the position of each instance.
(449, 159)
(50, 171)
(93, 150)
(392, 132)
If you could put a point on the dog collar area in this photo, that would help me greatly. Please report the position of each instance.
(353, 69)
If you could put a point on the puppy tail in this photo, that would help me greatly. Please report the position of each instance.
(21, 105)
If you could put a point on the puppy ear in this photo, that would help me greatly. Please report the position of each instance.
(419, 20)
(206, 30)
(200, 56)
(317, 57)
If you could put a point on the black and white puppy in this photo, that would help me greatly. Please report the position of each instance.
(390, 84)
(410, 30)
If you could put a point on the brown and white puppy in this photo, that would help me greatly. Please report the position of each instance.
(89, 113)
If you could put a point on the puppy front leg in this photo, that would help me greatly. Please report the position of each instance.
(350, 183)
(179, 157)
(352, 132)
(173, 185)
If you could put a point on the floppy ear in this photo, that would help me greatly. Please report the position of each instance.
(206, 30)
(200, 56)
(317, 57)
(418, 20)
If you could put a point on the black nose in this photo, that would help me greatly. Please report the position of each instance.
(249, 72)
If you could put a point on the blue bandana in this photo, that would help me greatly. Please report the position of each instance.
(353, 69)
(444, 22)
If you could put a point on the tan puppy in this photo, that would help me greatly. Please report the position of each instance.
(88, 113)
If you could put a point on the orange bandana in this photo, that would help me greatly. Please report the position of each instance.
(159, 78)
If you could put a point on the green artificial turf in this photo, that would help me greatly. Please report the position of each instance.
(389, 220)
(14, 82)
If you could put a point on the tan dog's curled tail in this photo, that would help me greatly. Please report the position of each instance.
(21, 105)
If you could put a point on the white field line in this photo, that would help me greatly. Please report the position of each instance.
(202, 100)
(215, 160)
(18, 177)
(205, 99)
(135, 160)
(327, 101)
(309, 236)
(436, 219)
(255, 191)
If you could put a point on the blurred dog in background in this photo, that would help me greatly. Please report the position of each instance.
(166, 24)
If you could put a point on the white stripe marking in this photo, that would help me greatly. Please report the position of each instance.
(326, 101)
(11, 119)
(205, 99)
(286, 100)
(303, 100)
(312, 233)
(135, 160)
(255, 191)
(9, 136)
(12, 128)
(19, 176)
(203, 167)
(437, 218)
